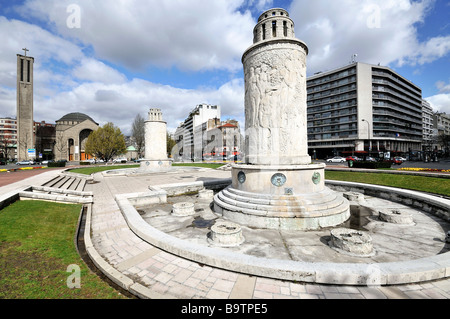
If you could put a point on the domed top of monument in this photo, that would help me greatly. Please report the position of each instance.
(272, 13)
(75, 117)
(273, 24)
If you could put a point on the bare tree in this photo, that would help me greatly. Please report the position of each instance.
(138, 134)
(60, 146)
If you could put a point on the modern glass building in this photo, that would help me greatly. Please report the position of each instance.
(362, 108)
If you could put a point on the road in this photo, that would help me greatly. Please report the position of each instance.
(443, 164)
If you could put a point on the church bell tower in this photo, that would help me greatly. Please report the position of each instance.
(25, 122)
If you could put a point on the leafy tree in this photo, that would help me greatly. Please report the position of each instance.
(170, 144)
(138, 133)
(106, 142)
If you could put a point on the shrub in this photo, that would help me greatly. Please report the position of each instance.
(57, 164)
(372, 165)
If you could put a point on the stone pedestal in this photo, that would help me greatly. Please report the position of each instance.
(278, 187)
(289, 197)
(155, 143)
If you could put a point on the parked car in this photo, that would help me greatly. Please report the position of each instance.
(352, 158)
(47, 161)
(138, 160)
(336, 159)
(396, 160)
(120, 160)
(370, 159)
(25, 163)
(399, 158)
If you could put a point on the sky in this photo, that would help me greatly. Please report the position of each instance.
(115, 59)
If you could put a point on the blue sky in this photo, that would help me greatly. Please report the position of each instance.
(115, 59)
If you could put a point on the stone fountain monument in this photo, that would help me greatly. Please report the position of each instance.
(277, 187)
(155, 143)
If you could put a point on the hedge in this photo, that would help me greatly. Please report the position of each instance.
(372, 165)
(56, 164)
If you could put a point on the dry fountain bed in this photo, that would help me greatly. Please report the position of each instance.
(392, 242)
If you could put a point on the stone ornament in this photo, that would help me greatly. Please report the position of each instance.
(278, 179)
(241, 177)
(226, 234)
(316, 178)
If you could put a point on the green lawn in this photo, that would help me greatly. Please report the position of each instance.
(434, 185)
(36, 249)
(96, 169)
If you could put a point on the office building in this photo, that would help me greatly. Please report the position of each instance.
(362, 108)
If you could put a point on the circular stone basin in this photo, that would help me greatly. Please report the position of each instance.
(206, 194)
(395, 217)
(183, 209)
(226, 234)
(352, 242)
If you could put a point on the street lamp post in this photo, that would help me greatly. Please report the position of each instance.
(368, 133)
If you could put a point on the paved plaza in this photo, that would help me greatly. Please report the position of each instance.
(149, 272)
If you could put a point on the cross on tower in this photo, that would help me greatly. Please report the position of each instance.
(25, 49)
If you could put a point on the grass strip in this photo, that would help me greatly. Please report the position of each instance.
(96, 169)
(36, 249)
(426, 184)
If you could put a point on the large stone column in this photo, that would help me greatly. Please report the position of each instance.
(275, 94)
(278, 187)
(155, 143)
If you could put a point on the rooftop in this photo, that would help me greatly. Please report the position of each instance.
(76, 117)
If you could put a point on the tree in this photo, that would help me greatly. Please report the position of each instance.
(138, 133)
(106, 142)
(170, 144)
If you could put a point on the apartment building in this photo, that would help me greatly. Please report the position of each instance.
(362, 108)
(429, 133)
(43, 138)
(190, 134)
(8, 138)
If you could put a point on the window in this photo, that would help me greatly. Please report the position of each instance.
(28, 70)
(21, 69)
(285, 28)
(264, 31)
(274, 29)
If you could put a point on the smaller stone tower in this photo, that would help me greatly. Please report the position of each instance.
(155, 143)
(25, 121)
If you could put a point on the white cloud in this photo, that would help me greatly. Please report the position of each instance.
(443, 87)
(440, 102)
(43, 45)
(92, 70)
(192, 35)
(378, 31)
(121, 102)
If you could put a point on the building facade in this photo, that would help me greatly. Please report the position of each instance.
(72, 131)
(190, 134)
(362, 108)
(203, 136)
(429, 133)
(8, 138)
